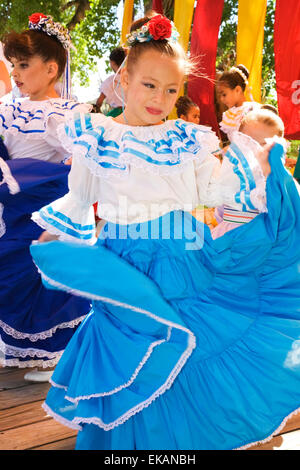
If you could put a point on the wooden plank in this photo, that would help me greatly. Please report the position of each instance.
(33, 435)
(65, 444)
(13, 379)
(22, 415)
(5, 370)
(284, 437)
(25, 425)
(275, 442)
(287, 441)
(27, 394)
(290, 441)
(292, 424)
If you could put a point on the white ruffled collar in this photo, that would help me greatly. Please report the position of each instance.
(155, 130)
(109, 148)
(23, 104)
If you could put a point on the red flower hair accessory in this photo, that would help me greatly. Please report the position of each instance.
(160, 27)
(157, 28)
(35, 18)
(46, 24)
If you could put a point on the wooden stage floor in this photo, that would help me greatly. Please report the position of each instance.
(24, 424)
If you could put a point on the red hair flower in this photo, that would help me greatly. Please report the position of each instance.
(35, 18)
(160, 27)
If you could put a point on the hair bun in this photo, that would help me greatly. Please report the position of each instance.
(182, 100)
(243, 69)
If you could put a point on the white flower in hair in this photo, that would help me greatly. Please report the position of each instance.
(241, 73)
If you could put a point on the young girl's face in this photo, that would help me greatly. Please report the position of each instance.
(151, 87)
(193, 115)
(259, 131)
(231, 97)
(34, 77)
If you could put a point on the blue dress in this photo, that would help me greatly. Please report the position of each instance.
(35, 323)
(192, 343)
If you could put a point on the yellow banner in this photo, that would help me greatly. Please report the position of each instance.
(250, 36)
(183, 16)
(127, 19)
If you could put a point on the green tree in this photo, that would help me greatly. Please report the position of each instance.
(92, 24)
(95, 31)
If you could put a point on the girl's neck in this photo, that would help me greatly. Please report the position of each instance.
(240, 101)
(129, 121)
(45, 94)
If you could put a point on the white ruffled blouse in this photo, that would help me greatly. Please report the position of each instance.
(29, 128)
(140, 173)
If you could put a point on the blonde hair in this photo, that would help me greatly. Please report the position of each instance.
(264, 116)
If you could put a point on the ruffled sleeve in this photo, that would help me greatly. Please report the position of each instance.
(58, 115)
(232, 118)
(239, 181)
(32, 118)
(72, 216)
(30, 127)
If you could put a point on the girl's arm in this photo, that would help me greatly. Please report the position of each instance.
(47, 237)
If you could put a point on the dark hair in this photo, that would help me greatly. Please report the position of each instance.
(32, 42)
(232, 78)
(118, 55)
(164, 46)
(184, 104)
(270, 107)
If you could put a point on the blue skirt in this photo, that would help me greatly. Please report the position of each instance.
(192, 343)
(35, 323)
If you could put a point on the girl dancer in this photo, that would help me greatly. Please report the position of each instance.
(193, 343)
(231, 89)
(35, 323)
(187, 110)
(259, 125)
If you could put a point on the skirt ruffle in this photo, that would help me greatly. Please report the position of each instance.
(35, 323)
(194, 348)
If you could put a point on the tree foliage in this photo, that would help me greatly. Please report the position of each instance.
(92, 24)
(95, 31)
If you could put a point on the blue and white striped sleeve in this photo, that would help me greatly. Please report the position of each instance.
(71, 217)
(239, 182)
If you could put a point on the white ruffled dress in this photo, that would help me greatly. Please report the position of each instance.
(192, 343)
(229, 217)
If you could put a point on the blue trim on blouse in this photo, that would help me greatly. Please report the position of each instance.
(249, 174)
(18, 112)
(236, 170)
(64, 229)
(67, 220)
